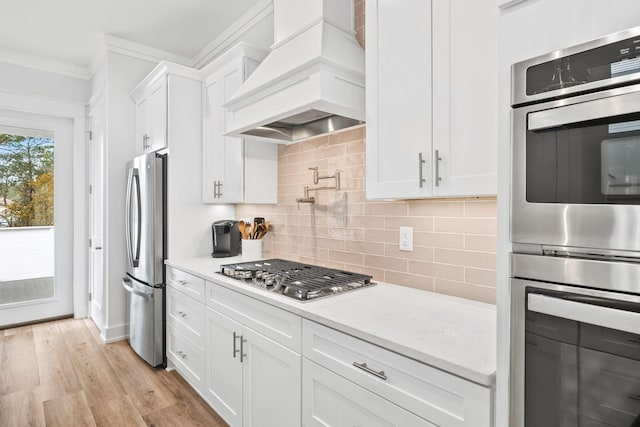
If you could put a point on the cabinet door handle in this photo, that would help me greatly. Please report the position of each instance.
(182, 314)
(182, 354)
(421, 163)
(368, 370)
(634, 396)
(436, 163)
(182, 282)
(635, 340)
(145, 141)
(243, 355)
(235, 350)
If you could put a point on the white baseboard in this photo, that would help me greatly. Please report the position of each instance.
(115, 333)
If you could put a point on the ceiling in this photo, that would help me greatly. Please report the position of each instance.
(72, 31)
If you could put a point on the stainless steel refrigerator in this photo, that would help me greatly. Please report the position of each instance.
(145, 227)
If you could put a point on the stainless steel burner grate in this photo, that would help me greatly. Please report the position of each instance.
(297, 280)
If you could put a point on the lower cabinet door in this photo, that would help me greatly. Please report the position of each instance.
(223, 370)
(330, 400)
(272, 389)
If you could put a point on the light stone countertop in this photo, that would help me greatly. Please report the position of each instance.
(453, 334)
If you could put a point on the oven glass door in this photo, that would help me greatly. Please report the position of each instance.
(576, 171)
(577, 371)
(574, 155)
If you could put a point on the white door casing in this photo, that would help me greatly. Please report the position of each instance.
(75, 190)
(97, 115)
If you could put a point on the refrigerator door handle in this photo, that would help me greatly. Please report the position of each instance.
(133, 252)
(126, 284)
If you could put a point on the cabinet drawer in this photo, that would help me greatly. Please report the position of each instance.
(186, 315)
(331, 401)
(187, 357)
(430, 393)
(186, 283)
(279, 325)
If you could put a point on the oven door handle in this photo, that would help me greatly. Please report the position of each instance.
(606, 317)
(585, 111)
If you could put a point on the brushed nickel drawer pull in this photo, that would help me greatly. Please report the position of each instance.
(181, 353)
(243, 355)
(421, 163)
(235, 350)
(368, 370)
(182, 282)
(436, 163)
(182, 314)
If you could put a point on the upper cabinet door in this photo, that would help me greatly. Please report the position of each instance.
(234, 170)
(223, 178)
(151, 117)
(158, 95)
(399, 94)
(431, 98)
(465, 98)
(142, 124)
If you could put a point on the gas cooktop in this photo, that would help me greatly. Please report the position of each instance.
(296, 280)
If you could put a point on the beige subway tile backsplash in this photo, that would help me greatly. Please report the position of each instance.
(454, 239)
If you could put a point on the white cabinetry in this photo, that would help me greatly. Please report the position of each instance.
(253, 364)
(185, 327)
(151, 116)
(391, 386)
(333, 401)
(153, 98)
(431, 98)
(260, 365)
(234, 170)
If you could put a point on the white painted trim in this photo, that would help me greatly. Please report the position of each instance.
(164, 68)
(76, 112)
(17, 101)
(42, 63)
(115, 333)
(258, 13)
(137, 50)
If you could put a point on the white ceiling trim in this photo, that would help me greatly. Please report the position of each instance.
(44, 64)
(260, 11)
(137, 50)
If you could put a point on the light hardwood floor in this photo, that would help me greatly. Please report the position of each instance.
(61, 374)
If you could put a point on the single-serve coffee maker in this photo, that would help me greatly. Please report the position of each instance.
(226, 239)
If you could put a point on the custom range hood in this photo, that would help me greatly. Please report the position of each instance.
(311, 83)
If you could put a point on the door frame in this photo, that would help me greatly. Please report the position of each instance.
(76, 112)
(97, 109)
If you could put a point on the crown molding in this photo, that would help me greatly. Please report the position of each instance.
(42, 63)
(259, 12)
(137, 50)
(229, 37)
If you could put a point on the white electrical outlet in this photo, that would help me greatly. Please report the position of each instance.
(406, 239)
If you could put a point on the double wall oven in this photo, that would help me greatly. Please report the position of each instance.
(575, 229)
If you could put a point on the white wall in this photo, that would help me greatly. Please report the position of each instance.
(529, 29)
(123, 73)
(17, 79)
